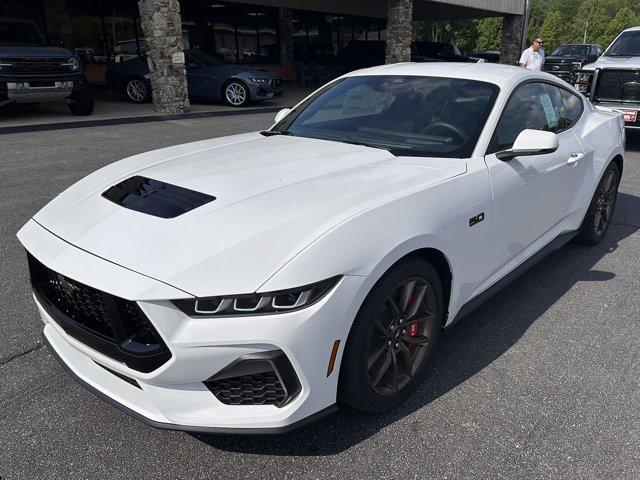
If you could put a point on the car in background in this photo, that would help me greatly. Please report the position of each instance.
(208, 78)
(568, 59)
(438, 52)
(491, 56)
(612, 82)
(32, 71)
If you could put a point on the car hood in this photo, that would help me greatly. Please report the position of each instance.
(565, 58)
(274, 196)
(33, 51)
(614, 62)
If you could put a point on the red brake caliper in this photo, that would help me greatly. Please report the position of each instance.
(413, 328)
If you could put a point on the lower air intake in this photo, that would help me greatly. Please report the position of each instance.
(265, 378)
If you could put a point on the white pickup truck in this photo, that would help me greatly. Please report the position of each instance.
(613, 81)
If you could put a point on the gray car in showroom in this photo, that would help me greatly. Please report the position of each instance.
(208, 78)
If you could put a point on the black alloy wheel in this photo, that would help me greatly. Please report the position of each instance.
(403, 336)
(392, 338)
(598, 218)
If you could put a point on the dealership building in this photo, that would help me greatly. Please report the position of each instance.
(305, 41)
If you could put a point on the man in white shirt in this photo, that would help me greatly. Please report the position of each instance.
(533, 57)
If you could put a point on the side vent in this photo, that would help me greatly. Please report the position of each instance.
(155, 198)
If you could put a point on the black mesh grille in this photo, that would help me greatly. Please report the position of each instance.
(618, 85)
(257, 389)
(265, 378)
(36, 65)
(112, 325)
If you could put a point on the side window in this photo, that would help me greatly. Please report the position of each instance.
(573, 107)
(530, 106)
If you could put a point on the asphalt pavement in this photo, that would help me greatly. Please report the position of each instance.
(540, 382)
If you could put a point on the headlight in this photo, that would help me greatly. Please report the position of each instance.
(577, 65)
(260, 80)
(257, 303)
(582, 81)
(72, 63)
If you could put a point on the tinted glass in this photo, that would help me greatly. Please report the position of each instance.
(19, 33)
(535, 106)
(571, 50)
(204, 58)
(572, 105)
(627, 44)
(407, 115)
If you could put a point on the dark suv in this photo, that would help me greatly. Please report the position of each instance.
(567, 60)
(32, 72)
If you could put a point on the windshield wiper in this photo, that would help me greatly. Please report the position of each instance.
(360, 142)
(270, 133)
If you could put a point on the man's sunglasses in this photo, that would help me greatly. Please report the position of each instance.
(539, 42)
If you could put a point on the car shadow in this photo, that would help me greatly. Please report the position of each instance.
(463, 350)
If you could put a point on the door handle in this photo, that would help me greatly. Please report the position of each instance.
(575, 158)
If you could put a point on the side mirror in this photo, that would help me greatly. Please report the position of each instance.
(282, 113)
(530, 142)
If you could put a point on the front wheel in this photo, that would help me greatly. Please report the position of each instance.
(235, 93)
(137, 90)
(81, 103)
(598, 218)
(392, 338)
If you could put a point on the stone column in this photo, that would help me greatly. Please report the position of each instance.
(162, 29)
(399, 18)
(511, 38)
(285, 25)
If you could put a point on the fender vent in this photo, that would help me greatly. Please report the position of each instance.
(155, 198)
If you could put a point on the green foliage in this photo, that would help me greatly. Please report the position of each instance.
(489, 34)
(625, 18)
(557, 21)
(552, 30)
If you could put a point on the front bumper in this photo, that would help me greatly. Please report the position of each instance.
(39, 88)
(175, 395)
(268, 91)
(621, 108)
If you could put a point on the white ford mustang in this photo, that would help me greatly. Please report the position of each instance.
(252, 282)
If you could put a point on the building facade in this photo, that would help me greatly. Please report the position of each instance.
(305, 41)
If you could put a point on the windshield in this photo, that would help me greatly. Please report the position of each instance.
(204, 58)
(627, 44)
(19, 33)
(407, 115)
(563, 50)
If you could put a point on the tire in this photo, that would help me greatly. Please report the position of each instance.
(81, 103)
(598, 218)
(137, 90)
(235, 93)
(361, 384)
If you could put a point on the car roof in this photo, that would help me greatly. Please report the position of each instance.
(488, 72)
(632, 29)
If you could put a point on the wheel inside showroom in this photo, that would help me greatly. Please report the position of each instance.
(392, 338)
(236, 93)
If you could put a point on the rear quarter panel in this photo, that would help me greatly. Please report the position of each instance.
(602, 136)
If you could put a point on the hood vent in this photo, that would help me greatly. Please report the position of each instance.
(155, 198)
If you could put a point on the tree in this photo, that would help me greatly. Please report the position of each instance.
(625, 18)
(489, 34)
(552, 30)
